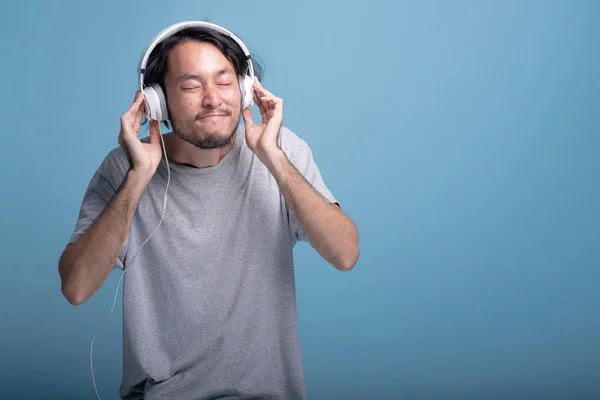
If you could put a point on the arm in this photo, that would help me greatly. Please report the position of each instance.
(85, 264)
(328, 229)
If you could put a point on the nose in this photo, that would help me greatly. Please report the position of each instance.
(211, 98)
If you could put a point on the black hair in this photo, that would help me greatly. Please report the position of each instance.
(156, 67)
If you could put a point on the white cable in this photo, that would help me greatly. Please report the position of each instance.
(164, 207)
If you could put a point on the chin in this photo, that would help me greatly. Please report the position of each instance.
(206, 136)
(209, 140)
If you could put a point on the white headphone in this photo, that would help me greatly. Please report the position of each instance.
(154, 97)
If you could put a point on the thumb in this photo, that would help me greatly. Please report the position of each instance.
(248, 122)
(154, 133)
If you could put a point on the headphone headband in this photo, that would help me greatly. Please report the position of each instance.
(171, 30)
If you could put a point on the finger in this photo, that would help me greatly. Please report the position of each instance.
(134, 118)
(263, 107)
(138, 99)
(260, 89)
(257, 101)
(154, 133)
(137, 103)
(127, 116)
(272, 115)
(248, 122)
(139, 113)
(272, 102)
(138, 117)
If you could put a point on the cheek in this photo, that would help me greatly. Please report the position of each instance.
(185, 104)
(232, 97)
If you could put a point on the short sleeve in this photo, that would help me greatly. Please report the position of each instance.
(101, 189)
(300, 155)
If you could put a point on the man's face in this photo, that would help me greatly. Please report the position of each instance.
(203, 94)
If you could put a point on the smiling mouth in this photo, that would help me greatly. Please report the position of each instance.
(213, 116)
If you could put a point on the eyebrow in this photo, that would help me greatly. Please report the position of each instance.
(197, 77)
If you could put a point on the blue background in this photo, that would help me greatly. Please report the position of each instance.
(462, 137)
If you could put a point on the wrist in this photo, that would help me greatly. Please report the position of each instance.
(272, 158)
(139, 177)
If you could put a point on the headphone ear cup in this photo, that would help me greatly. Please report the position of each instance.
(247, 92)
(156, 103)
(164, 110)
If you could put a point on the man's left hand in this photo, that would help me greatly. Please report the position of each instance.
(262, 139)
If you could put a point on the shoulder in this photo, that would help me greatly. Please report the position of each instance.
(290, 139)
(114, 166)
(294, 146)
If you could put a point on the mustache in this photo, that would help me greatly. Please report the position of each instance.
(213, 112)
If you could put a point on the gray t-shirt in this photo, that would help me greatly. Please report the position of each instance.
(209, 303)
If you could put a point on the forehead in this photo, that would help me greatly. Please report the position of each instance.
(193, 56)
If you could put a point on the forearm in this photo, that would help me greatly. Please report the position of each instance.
(328, 229)
(85, 264)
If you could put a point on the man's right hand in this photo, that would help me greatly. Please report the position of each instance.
(144, 156)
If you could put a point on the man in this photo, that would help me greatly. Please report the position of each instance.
(209, 302)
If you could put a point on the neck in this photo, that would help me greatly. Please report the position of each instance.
(183, 152)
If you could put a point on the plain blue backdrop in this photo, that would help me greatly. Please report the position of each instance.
(463, 137)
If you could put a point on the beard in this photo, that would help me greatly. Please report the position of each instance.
(188, 130)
